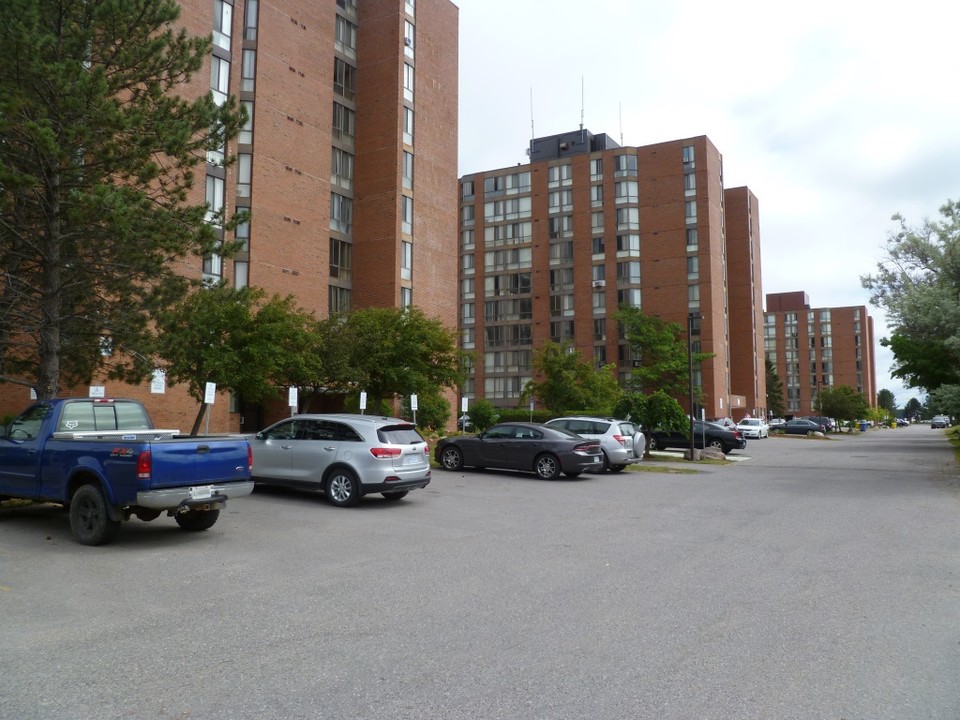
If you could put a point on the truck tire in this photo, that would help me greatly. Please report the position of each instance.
(197, 520)
(89, 518)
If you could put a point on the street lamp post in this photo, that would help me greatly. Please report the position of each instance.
(693, 326)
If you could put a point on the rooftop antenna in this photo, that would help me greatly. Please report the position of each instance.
(533, 133)
(581, 108)
(621, 124)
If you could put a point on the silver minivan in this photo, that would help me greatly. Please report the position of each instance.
(343, 456)
(621, 441)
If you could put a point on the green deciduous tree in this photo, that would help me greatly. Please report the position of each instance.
(775, 405)
(661, 350)
(658, 411)
(918, 284)
(390, 352)
(565, 381)
(843, 403)
(913, 408)
(482, 414)
(97, 155)
(237, 339)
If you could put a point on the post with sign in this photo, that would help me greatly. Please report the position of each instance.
(363, 401)
(531, 408)
(209, 398)
(413, 406)
(463, 414)
(292, 400)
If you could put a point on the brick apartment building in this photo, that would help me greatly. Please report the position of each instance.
(348, 163)
(815, 348)
(552, 248)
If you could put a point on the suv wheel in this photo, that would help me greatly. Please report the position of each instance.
(343, 488)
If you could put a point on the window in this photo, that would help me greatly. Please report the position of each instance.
(344, 79)
(467, 213)
(693, 267)
(559, 175)
(242, 235)
(688, 158)
(689, 184)
(346, 37)
(628, 244)
(626, 191)
(512, 284)
(561, 252)
(341, 213)
(244, 174)
(561, 330)
(246, 132)
(693, 296)
(628, 273)
(222, 23)
(511, 234)
(628, 218)
(598, 246)
(561, 305)
(507, 209)
(406, 297)
(339, 300)
(215, 198)
(509, 259)
(219, 79)
(598, 273)
(507, 184)
(241, 274)
(250, 20)
(467, 238)
(596, 195)
(212, 268)
(344, 122)
(690, 210)
(596, 222)
(561, 279)
(467, 315)
(469, 338)
(628, 297)
(692, 240)
(560, 226)
(408, 170)
(596, 169)
(406, 211)
(341, 168)
(468, 288)
(624, 165)
(512, 309)
(408, 82)
(408, 38)
(348, 6)
(406, 260)
(410, 7)
(560, 200)
(467, 262)
(248, 71)
(341, 260)
(466, 189)
(408, 126)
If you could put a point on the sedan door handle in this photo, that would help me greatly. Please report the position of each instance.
(286, 447)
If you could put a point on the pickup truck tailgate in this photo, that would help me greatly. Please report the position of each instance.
(198, 461)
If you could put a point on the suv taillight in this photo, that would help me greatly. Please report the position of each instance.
(620, 439)
(385, 452)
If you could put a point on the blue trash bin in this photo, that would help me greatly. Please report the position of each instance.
(864, 426)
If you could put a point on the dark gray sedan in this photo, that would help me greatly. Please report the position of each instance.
(547, 451)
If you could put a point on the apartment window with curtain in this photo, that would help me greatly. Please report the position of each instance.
(250, 19)
(406, 208)
(408, 74)
(409, 33)
(341, 213)
(406, 260)
(222, 23)
(341, 260)
(408, 125)
(244, 174)
(344, 123)
(341, 168)
(215, 200)
(408, 170)
(346, 37)
(248, 71)
(344, 79)
(246, 132)
(219, 79)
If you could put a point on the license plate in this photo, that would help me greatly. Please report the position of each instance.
(201, 492)
(412, 459)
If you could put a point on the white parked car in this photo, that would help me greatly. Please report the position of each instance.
(754, 428)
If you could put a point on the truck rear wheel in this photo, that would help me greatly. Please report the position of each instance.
(89, 517)
(197, 520)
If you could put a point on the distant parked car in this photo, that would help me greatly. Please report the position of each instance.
(903, 422)
(827, 423)
(705, 434)
(753, 428)
(723, 422)
(547, 451)
(800, 426)
(776, 422)
(620, 441)
(343, 456)
(940, 421)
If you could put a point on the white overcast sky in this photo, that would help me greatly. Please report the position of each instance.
(835, 114)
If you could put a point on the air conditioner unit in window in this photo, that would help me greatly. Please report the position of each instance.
(599, 283)
(408, 42)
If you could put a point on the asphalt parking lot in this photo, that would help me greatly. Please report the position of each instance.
(811, 579)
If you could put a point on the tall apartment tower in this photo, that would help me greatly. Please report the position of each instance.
(551, 249)
(816, 348)
(348, 164)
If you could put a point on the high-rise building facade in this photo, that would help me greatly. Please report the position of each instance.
(551, 249)
(347, 165)
(817, 348)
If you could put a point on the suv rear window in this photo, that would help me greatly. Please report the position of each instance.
(399, 434)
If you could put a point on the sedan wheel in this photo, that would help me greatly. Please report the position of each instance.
(652, 443)
(451, 458)
(718, 444)
(547, 467)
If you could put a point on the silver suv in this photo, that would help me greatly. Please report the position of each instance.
(620, 440)
(343, 456)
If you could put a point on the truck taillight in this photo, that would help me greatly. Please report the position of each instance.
(144, 465)
(250, 457)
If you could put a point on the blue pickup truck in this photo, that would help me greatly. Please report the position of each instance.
(104, 460)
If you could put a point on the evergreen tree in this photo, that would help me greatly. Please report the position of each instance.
(98, 153)
(775, 406)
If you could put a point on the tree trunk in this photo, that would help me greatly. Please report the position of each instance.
(196, 423)
(51, 301)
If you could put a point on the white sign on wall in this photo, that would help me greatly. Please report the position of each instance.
(97, 391)
(158, 384)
